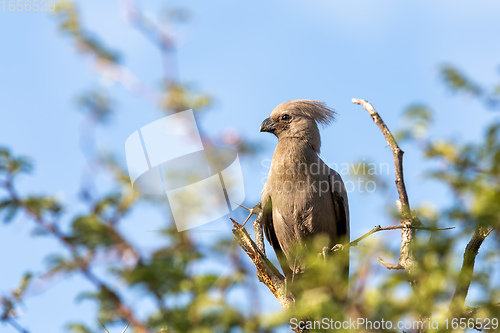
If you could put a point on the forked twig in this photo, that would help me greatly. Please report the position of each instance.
(408, 220)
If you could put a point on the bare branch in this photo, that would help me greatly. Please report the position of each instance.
(408, 219)
(397, 152)
(389, 266)
(259, 234)
(467, 271)
(379, 228)
(266, 271)
(257, 225)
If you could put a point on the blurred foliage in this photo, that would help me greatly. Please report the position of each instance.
(365, 177)
(459, 82)
(187, 300)
(69, 23)
(415, 123)
(97, 104)
(164, 275)
(179, 98)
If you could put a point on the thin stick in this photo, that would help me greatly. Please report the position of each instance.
(397, 152)
(467, 271)
(266, 271)
(395, 227)
(408, 221)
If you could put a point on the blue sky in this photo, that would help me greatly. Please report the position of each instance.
(250, 57)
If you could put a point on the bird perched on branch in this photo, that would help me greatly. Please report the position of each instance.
(302, 198)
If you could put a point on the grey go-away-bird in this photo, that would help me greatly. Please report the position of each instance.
(302, 198)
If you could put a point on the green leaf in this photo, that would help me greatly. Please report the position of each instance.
(78, 328)
(91, 232)
(39, 206)
(13, 165)
(458, 82)
(9, 208)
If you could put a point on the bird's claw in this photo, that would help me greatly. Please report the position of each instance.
(337, 247)
(326, 250)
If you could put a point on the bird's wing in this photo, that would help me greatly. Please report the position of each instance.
(267, 223)
(341, 211)
(270, 232)
(341, 206)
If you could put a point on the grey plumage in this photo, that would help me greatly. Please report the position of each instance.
(302, 197)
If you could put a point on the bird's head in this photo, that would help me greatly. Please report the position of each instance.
(298, 119)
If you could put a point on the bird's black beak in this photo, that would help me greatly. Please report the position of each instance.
(267, 126)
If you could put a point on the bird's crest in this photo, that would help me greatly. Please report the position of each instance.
(316, 110)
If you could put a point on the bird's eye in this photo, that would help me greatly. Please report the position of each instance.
(285, 117)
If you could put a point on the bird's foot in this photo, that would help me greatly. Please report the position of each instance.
(326, 250)
(337, 247)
